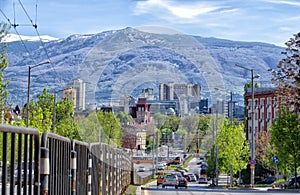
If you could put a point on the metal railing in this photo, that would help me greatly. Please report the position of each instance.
(59, 165)
(20, 156)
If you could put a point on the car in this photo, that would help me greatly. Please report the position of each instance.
(30, 175)
(187, 177)
(173, 162)
(192, 177)
(159, 179)
(141, 168)
(182, 182)
(160, 167)
(267, 180)
(171, 180)
(291, 181)
(202, 180)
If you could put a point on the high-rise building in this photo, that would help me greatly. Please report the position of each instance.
(70, 94)
(172, 91)
(79, 101)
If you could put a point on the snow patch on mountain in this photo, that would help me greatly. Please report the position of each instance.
(13, 38)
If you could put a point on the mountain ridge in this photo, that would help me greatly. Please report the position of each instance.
(117, 54)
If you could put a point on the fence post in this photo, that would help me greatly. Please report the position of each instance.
(73, 172)
(44, 170)
(90, 165)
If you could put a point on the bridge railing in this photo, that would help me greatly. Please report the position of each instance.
(59, 165)
(18, 146)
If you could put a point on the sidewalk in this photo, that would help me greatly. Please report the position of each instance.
(139, 189)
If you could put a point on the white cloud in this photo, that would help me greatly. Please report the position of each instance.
(296, 3)
(175, 9)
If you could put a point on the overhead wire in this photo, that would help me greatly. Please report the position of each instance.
(14, 25)
(41, 41)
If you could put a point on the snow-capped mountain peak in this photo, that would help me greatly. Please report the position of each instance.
(13, 37)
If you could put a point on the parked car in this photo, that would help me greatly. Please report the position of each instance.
(192, 177)
(170, 180)
(267, 180)
(182, 182)
(291, 181)
(160, 167)
(187, 177)
(202, 180)
(141, 168)
(29, 175)
(160, 178)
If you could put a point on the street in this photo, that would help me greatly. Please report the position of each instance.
(201, 189)
(204, 189)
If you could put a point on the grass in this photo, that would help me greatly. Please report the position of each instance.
(131, 190)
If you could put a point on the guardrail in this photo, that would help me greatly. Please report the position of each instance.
(19, 145)
(59, 165)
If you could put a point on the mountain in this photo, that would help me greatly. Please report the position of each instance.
(122, 62)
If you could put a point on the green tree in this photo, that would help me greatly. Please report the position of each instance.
(89, 128)
(111, 128)
(42, 113)
(65, 123)
(285, 137)
(172, 123)
(3, 65)
(159, 120)
(124, 118)
(233, 149)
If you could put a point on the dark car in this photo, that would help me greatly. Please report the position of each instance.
(292, 181)
(268, 180)
(202, 180)
(187, 177)
(182, 182)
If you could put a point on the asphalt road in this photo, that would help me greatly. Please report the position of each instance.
(202, 189)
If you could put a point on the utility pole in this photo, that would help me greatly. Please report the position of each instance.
(252, 145)
(28, 90)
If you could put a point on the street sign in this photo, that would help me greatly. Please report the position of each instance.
(275, 159)
(252, 162)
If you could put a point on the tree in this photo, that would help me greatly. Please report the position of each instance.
(111, 128)
(190, 125)
(124, 118)
(285, 137)
(287, 75)
(65, 123)
(89, 128)
(263, 150)
(42, 112)
(233, 149)
(172, 123)
(3, 65)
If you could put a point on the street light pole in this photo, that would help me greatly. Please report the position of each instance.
(28, 89)
(252, 162)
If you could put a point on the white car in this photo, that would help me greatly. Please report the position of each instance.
(141, 168)
(171, 180)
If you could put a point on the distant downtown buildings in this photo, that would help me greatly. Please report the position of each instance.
(75, 92)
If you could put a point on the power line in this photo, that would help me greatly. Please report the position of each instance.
(37, 32)
(14, 25)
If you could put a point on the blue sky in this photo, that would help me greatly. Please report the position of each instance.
(270, 21)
